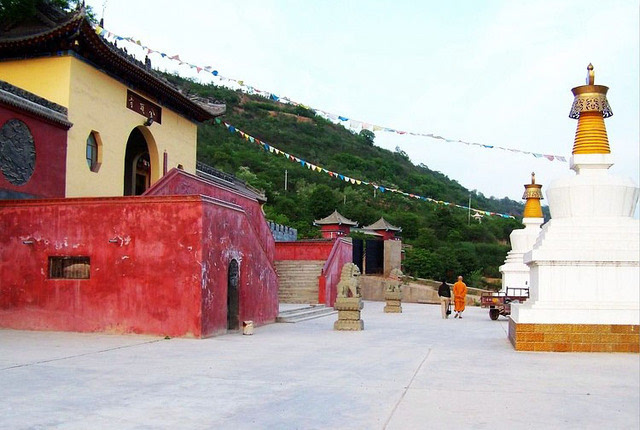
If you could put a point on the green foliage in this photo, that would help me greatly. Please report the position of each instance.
(14, 11)
(443, 243)
(474, 279)
(368, 136)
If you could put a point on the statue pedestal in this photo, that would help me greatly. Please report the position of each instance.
(349, 314)
(394, 302)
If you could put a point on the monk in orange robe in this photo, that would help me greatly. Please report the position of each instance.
(459, 297)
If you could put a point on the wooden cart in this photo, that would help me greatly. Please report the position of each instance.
(500, 303)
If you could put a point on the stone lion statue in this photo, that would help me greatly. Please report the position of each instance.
(349, 285)
(395, 280)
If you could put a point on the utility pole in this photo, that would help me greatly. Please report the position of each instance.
(469, 215)
(285, 179)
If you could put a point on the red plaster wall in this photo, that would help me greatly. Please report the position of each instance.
(386, 235)
(166, 274)
(178, 182)
(258, 285)
(333, 231)
(48, 179)
(304, 250)
(146, 282)
(341, 254)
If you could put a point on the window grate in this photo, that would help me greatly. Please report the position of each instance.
(69, 268)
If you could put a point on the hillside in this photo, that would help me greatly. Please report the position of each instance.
(442, 240)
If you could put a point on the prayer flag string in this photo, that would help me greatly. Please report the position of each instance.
(351, 124)
(319, 169)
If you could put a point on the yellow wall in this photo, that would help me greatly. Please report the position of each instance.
(97, 102)
(46, 77)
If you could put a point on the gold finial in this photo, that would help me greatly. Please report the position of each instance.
(590, 107)
(590, 75)
(533, 195)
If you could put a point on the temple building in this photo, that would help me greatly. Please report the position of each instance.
(384, 229)
(584, 265)
(108, 223)
(515, 274)
(335, 225)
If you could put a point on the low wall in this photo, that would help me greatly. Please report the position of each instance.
(341, 254)
(372, 288)
(304, 250)
(282, 233)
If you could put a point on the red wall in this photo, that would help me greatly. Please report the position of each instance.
(341, 254)
(304, 250)
(224, 238)
(386, 234)
(165, 275)
(178, 182)
(333, 231)
(48, 178)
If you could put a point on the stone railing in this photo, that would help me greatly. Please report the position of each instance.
(282, 233)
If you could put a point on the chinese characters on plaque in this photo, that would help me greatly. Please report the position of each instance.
(144, 107)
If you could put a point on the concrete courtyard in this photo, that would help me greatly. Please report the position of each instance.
(404, 371)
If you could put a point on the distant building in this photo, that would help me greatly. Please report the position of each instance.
(335, 225)
(384, 229)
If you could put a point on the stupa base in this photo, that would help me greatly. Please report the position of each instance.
(574, 337)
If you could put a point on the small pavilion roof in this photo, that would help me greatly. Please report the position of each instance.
(335, 218)
(382, 224)
(52, 32)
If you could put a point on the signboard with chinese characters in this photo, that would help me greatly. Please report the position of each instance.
(144, 107)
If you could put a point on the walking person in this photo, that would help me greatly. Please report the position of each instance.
(444, 292)
(459, 297)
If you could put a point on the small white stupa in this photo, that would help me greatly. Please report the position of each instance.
(584, 266)
(515, 274)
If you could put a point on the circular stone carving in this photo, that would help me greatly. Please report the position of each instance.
(17, 152)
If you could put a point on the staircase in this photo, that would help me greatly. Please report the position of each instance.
(298, 280)
(304, 313)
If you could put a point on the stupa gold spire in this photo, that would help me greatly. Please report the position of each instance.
(590, 107)
(533, 195)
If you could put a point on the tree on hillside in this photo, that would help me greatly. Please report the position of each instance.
(367, 136)
(17, 10)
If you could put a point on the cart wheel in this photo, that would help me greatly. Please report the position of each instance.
(494, 314)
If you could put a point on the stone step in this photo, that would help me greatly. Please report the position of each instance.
(298, 280)
(304, 313)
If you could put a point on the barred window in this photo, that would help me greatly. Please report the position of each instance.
(69, 268)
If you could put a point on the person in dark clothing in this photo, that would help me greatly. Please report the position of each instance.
(444, 292)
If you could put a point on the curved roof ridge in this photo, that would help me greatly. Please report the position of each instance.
(335, 218)
(382, 224)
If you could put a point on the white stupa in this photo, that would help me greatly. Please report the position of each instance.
(515, 274)
(584, 265)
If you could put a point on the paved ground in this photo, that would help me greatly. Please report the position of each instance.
(405, 371)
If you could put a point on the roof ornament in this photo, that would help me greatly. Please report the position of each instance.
(590, 75)
(590, 107)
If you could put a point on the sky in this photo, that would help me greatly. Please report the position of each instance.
(492, 72)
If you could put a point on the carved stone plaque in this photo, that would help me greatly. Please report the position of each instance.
(17, 152)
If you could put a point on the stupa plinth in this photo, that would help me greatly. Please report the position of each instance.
(584, 265)
(515, 274)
